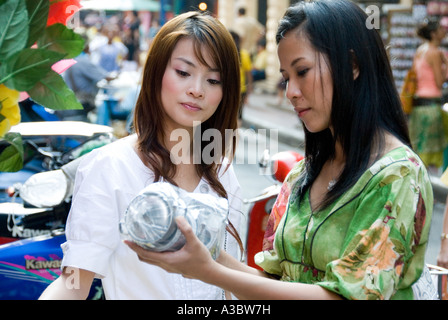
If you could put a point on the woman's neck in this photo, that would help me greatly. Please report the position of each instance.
(180, 145)
(435, 43)
(339, 156)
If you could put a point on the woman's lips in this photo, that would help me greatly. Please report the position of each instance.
(191, 106)
(301, 112)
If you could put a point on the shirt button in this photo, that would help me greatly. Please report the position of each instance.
(204, 188)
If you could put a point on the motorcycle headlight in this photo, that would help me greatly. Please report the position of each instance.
(45, 189)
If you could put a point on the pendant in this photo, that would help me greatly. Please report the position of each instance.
(331, 184)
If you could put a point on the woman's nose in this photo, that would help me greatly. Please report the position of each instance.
(293, 91)
(196, 90)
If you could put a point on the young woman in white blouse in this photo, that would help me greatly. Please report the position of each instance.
(190, 79)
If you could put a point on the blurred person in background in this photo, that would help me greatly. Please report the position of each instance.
(260, 61)
(245, 73)
(112, 53)
(425, 121)
(249, 30)
(82, 78)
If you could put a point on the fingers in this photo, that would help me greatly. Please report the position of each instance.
(185, 228)
(168, 261)
(186, 261)
(144, 255)
(193, 244)
(158, 258)
(133, 246)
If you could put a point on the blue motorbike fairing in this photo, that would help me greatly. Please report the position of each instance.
(28, 266)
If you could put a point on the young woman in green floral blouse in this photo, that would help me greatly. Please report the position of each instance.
(352, 219)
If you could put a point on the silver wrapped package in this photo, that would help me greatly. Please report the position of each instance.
(150, 217)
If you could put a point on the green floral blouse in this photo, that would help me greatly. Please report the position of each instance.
(370, 244)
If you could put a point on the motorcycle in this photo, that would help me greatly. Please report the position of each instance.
(40, 203)
(47, 145)
(277, 167)
(32, 224)
(28, 266)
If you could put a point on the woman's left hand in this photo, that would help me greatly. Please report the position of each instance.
(192, 261)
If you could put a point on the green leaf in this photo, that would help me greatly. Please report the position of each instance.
(26, 68)
(14, 27)
(59, 38)
(38, 14)
(52, 92)
(11, 152)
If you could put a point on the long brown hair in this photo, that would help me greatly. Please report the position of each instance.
(206, 32)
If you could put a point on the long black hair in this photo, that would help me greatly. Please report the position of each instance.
(362, 108)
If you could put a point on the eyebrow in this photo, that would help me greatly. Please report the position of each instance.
(294, 62)
(193, 65)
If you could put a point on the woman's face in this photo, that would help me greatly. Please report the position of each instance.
(440, 33)
(309, 82)
(191, 91)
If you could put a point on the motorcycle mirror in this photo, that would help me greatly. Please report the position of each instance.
(45, 189)
(283, 162)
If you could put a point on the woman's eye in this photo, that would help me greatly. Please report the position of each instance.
(182, 73)
(303, 72)
(214, 82)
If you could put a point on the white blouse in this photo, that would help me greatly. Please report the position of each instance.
(106, 182)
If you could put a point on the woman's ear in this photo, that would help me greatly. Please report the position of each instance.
(355, 65)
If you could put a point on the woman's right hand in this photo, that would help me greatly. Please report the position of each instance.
(192, 261)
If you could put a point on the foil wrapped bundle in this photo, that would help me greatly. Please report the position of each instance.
(150, 218)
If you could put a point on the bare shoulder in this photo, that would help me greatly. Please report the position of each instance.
(433, 55)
